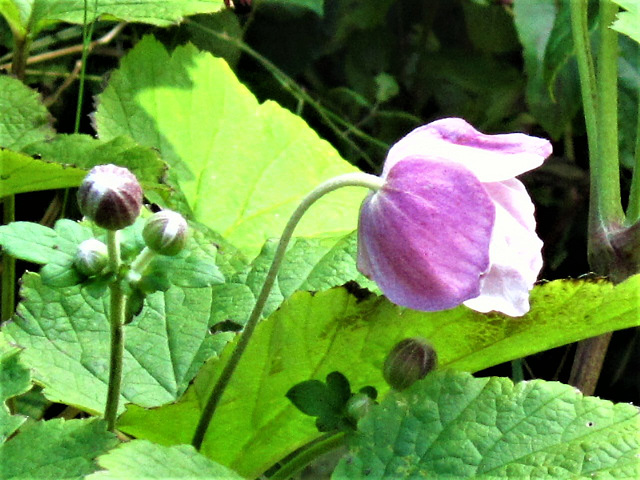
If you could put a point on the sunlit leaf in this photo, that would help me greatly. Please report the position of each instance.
(15, 379)
(55, 450)
(23, 117)
(452, 425)
(140, 459)
(242, 166)
(313, 335)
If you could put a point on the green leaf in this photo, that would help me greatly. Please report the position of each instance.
(33, 15)
(55, 450)
(311, 335)
(15, 379)
(85, 152)
(628, 21)
(54, 247)
(233, 158)
(65, 336)
(315, 265)
(23, 117)
(452, 425)
(325, 400)
(553, 94)
(21, 173)
(141, 459)
(316, 6)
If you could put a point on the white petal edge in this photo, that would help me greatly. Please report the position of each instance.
(488, 165)
(514, 252)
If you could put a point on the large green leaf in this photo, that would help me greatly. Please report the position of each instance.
(21, 173)
(452, 425)
(145, 460)
(23, 117)
(313, 335)
(628, 21)
(55, 450)
(15, 379)
(242, 166)
(32, 15)
(65, 335)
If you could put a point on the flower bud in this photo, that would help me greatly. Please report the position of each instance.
(166, 232)
(358, 406)
(110, 196)
(409, 361)
(91, 258)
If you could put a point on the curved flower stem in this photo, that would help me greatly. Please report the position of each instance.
(116, 316)
(309, 453)
(350, 179)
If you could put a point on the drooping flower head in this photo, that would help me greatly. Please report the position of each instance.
(452, 224)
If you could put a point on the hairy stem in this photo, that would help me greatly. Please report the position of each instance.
(605, 208)
(308, 454)
(349, 179)
(117, 310)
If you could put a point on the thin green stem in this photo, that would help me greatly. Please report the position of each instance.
(87, 33)
(140, 264)
(20, 54)
(605, 167)
(350, 179)
(8, 262)
(116, 319)
(308, 454)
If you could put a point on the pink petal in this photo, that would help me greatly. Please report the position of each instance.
(424, 237)
(491, 158)
(515, 252)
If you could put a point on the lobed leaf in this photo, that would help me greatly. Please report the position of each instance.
(55, 450)
(311, 335)
(23, 117)
(452, 425)
(65, 336)
(233, 158)
(15, 379)
(142, 459)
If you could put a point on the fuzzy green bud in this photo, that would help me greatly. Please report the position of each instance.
(358, 406)
(92, 257)
(166, 232)
(409, 361)
(110, 196)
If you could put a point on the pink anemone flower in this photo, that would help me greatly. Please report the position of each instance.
(451, 223)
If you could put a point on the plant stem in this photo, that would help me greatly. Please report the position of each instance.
(313, 450)
(604, 166)
(588, 362)
(586, 70)
(8, 262)
(633, 207)
(605, 207)
(116, 320)
(20, 54)
(517, 372)
(87, 33)
(349, 179)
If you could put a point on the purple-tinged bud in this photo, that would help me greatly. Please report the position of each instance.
(166, 232)
(92, 257)
(409, 361)
(110, 196)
